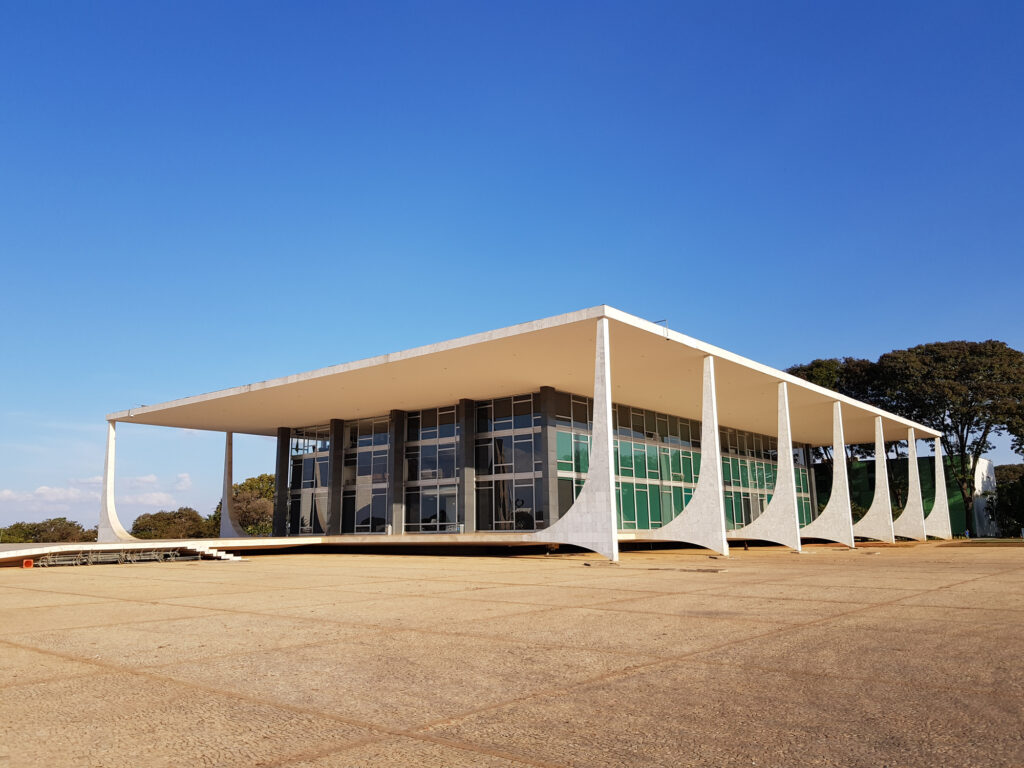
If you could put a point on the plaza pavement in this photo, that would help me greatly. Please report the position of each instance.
(882, 656)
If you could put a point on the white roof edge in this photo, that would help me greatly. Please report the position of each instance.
(710, 349)
(591, 313)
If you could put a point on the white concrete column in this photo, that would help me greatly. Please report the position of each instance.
(877, 521)
(835, 523)
(229, 525)
(702, 521)
(110, 528)
(591, 521)
(780, 521)
(910, 523)
(937, 523)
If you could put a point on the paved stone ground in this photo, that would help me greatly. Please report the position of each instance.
(901, 656)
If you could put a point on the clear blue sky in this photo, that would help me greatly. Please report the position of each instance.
(200, 195)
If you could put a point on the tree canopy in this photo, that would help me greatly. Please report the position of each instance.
(253, 502)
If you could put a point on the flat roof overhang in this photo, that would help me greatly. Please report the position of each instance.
(651, 367)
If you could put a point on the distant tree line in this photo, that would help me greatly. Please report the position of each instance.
(253, 500)
(54, 529)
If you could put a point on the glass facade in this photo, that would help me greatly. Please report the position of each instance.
(308, 478)
(432, 471)
(364, 475)
(657, 459)
(657, 465)
(509, 465)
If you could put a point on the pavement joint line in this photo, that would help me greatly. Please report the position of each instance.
(803, 672)
(612, 675)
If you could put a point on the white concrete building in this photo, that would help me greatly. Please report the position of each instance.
(587, 429)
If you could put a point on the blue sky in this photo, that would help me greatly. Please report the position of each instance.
(200, 195)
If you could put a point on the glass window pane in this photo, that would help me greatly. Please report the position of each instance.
(502, 414)
(523, 455)
(483, 418)
(628, 506)
(581, 448)
(524, 507)
(563, 409)
(446, 423)
(503, 453)
(380, 467)
(503, 505)
(579, 415)
(428, 462)
(365, 432)
(446, 461)
(428, 424)
(413, 509)
(484, 504)
(484, 462)
(447, 505)
(412, 463)
(412, 428)
(639, 461)
(625, 458)
(565, 495)
(428, 507)
(522, 410)
(643, 515)
(652, 461)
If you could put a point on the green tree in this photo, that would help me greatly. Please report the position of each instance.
(253, 502)
(182, 523)
(55, 529)
(1007, 508)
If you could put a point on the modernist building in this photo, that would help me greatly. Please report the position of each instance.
(588, 428)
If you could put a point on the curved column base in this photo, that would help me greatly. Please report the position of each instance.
(830, 526)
